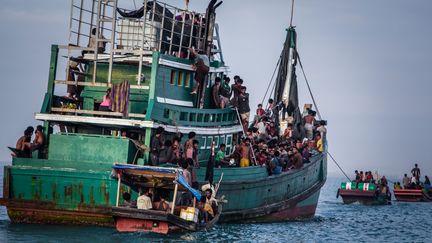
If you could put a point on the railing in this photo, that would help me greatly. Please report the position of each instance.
(163, 28)
(171, 114)
(156, 26)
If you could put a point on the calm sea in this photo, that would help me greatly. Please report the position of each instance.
(334, 222)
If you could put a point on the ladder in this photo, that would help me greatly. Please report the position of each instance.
(106, 14)
(219, 46)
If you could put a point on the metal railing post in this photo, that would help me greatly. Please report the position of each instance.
(172, 31)
(142, 44)
(162, 28)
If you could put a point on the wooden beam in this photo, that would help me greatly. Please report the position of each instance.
(68, 82)
(100, 113)
(77, 111)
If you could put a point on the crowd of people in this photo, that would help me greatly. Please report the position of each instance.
(368, 177)
(414, 182)
(152, 199)
(262, 144)
(25, 146)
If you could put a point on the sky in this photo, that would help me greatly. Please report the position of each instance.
(369, 64)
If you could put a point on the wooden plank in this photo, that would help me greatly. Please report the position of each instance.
(101, 113)
(68, 82)
(77, 111)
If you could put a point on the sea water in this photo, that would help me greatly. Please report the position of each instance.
(334, 222)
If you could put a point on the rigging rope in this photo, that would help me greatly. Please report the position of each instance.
(331, 156)
(271, 80)
(307, 83)
(319, 114)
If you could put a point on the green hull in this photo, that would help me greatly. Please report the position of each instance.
(47, 191)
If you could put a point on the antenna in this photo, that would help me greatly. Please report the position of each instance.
(292, 12)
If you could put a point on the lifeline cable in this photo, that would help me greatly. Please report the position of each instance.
(319, 114)
(271, 80)
(307, 83)
(331, 156)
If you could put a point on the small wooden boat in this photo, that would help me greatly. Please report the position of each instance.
(413, 195)
(132, 219)
(364, 193)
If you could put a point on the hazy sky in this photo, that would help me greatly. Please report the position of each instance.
(369, 64)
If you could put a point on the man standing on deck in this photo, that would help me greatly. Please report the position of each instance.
(215, 93)
(309, 124)
(225, 93)
(416, 173)
(201, 67)
(243, 107)
(245, 153)
(406, 181)
(156, 146)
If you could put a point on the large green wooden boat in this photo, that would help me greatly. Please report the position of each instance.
(71, 182)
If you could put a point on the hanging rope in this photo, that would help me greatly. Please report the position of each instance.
(331, 156)
(271, 80)
(307, 83)
(319, 114)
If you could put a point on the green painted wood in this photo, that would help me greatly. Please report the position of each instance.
(186, 116)
(137, 99)
(64, 189)
(98, 148)
(63, 164)
(84, 189)
(52, 70)
(120, 72)
(154, 71)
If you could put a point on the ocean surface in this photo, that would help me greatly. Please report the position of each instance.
(334, 222)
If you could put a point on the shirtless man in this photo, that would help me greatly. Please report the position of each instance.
(245, 153)
(188, 146)
(23, 145)
(309, 124)
(39, 138)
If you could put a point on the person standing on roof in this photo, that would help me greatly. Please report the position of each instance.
(201, 67)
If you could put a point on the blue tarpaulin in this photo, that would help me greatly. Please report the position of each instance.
(148, 168)
(180, 179)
